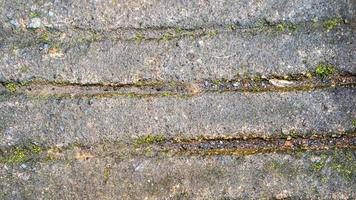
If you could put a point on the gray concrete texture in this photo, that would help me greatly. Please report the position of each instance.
(327, 175)
(91, 120)
(149, 54)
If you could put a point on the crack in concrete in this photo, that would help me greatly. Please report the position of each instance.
(161, 88)
(158, 145)
(84, 35)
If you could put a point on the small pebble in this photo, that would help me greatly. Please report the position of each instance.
(15, 23)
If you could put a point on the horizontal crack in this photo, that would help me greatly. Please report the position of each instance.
(161, 88)
(158, 145)
(78, 35)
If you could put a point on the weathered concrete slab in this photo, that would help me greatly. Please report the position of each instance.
(115, 14)
(309, 175)
(167, 99)
(90, 120)
(223, 56)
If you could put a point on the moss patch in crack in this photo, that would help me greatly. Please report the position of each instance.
(324, 70)
(332, 23)
(17, 156)
(178, 31)
(106, 174)
(213, 33)
(139, 37)
(168, 36)
(149, 139)
(281, 27)
(34, 14)
(20, 153)
(12, 87)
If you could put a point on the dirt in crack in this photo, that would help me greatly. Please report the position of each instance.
(149, 88)
(158, 145)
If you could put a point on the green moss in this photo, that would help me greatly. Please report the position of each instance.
(35, 148)
(324, 180)
(106, 174)
(34, 14)
(149, 152)
(139, 37)
(257, 78)
(354, 122)
(324, 70)
(179, 31)
(255, 89)
(343, 162)
(332, 23)
(318, 165)
(166, 94)
(292, 27)
(217, 82)
(20, 153)
(44, 37)
(281, 27)
(213, 33)
(17, 156)
(342, 170)
(12, 87)
(168, 36)
(149, 139)
(293, 133)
